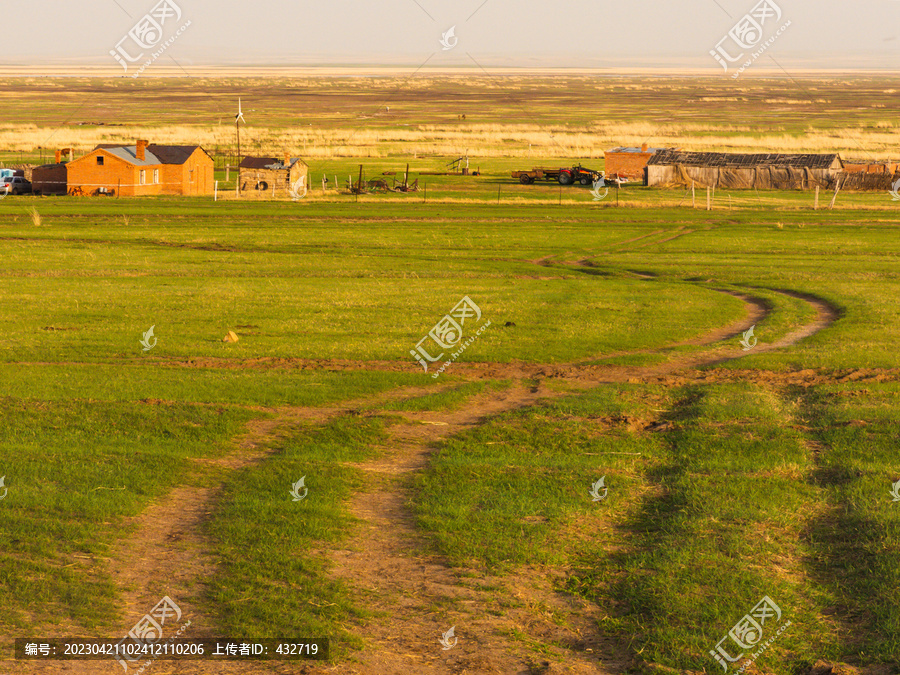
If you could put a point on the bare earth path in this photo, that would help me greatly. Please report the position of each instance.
(167, 554)
(417, 593)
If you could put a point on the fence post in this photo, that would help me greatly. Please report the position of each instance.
(816, 205)
(708, 205)
(693, 199)
(216, 193)
(837, 188)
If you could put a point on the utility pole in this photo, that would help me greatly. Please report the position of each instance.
(237, 126)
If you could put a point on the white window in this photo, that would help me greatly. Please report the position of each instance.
(143, 180)
(156, 176)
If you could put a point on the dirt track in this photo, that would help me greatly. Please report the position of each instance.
(167, 554)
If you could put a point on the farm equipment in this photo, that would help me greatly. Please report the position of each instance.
(565, 176)
(363, 186)
(578, 174)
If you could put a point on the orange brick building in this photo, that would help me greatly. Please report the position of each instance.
(628, 162)
(142, 169)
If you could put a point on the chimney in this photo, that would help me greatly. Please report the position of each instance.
(71, 154)
(287, 159)
(141, 148)
(643, 147)
(58, 156)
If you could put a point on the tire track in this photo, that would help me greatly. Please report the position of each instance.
(167, 554)
(405, 586)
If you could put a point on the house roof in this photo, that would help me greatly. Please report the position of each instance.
(267, 162)
(738, 161)
(154, 154)
(257, 162)
(129, 154)
(172, 154)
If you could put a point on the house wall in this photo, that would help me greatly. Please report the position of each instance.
(278, 181)
(196, 176)
(628, 164)
(250, 178)
(115, 175)
(298, 171)
(51, 179)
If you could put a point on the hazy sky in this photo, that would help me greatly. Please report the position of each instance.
(670, 33)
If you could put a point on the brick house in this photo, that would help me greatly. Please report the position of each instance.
(628, 162)
(142, 169)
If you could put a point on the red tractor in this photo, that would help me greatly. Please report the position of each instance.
(578, 174)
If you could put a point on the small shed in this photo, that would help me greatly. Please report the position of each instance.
(268, 177)
(629, 162)
(743, 171)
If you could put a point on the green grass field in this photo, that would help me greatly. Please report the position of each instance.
(463, 500)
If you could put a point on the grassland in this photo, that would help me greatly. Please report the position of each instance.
(512, 116)
(462, 500)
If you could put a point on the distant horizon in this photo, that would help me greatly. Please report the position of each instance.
(13, 70)
(561, 61)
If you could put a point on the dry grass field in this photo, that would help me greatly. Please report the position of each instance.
(565, 115)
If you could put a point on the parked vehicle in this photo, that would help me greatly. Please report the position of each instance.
(537, 173)
(15, 185)
(576, 174)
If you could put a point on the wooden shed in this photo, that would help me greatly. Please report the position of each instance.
(269, 178)
(743, 171)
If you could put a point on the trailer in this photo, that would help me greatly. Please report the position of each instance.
(565, 176)
(537, 173)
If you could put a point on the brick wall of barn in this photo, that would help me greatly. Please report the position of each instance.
(628, 164)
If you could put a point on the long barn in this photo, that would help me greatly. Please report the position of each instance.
(743, 171)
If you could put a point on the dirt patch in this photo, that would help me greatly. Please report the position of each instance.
(419, 597)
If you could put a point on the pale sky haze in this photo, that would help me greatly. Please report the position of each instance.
(507, 33)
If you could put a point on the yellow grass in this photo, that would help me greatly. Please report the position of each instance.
(481, 140)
